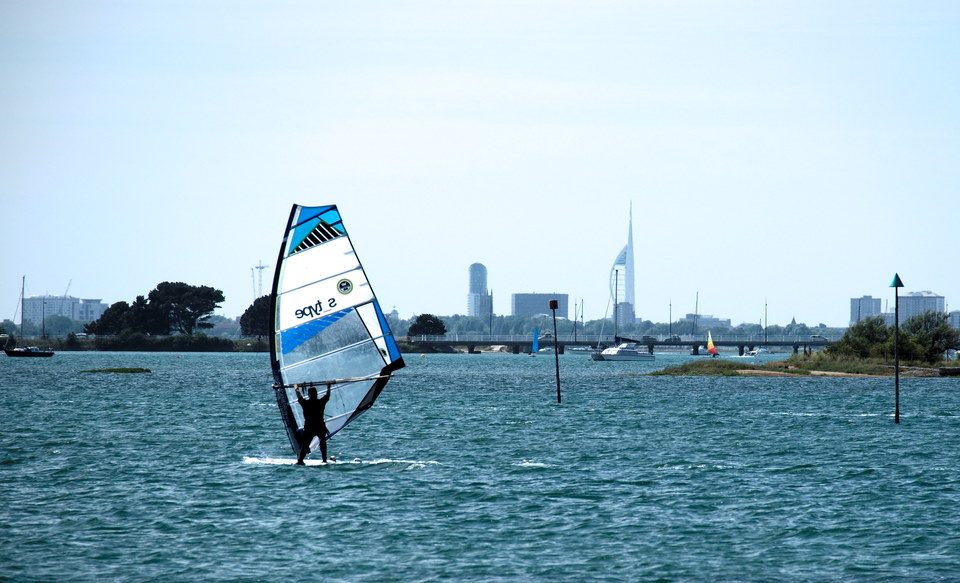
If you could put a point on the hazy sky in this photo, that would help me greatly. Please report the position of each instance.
(794, 152)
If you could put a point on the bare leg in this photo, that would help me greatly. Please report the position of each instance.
(304, 450)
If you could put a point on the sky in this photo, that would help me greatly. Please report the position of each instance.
(793, 154)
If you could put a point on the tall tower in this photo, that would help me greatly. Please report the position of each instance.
(478, 279)
(622, 280)
(479, 300)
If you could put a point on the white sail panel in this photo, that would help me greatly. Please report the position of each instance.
(322, 298)
(330, 259)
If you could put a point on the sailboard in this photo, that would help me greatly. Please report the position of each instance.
(710, 347)
(328, 327)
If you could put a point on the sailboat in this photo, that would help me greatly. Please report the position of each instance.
(328, 328)
(29, 351)
(624, 348)
(535, 344)
(711, 349)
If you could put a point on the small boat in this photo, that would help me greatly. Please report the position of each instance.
(711, 349)
(28, 351)
(623, 351)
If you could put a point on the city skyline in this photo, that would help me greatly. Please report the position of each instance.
(85, 310)
(787, 155)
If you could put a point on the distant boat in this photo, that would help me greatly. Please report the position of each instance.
(623, 351)
(535, 346)
(756, 351)
(29, 351)
(710, 347)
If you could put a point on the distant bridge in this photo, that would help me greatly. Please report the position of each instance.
(518, 343)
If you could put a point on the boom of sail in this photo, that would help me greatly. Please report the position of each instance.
(328, 327)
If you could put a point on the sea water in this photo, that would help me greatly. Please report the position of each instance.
(466, 468)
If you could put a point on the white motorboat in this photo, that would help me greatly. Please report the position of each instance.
(624, 351)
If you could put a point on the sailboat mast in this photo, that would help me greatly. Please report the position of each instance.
(696, 310)
(616, 301)
(23, 287)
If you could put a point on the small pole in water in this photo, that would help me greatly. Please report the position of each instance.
(556, 346)
(896, 284)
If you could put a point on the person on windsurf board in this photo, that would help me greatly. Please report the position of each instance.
(313, 423)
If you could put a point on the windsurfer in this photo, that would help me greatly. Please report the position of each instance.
(313, 424)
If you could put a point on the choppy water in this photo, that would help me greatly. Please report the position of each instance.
(467, 469)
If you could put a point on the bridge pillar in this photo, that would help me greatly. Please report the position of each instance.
(740, 349)
(796, 349)
(650, 348)
(562, 346)
(696, 349)
(471, 349)
(516, 349)
(750, 347)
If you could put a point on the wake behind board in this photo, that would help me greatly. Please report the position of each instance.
(280, 461)
(328, 327)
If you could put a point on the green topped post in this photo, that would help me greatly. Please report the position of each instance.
(896, 284)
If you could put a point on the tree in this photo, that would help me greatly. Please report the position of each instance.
(111, 321)
(427, 324)
(60, 325)
(257, 319)
(184, 306)
(932, 335)
(866, 338)
(146, 318)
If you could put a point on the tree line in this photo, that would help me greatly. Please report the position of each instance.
(171, 307)
(923, 338)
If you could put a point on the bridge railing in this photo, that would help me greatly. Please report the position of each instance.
(547, 339)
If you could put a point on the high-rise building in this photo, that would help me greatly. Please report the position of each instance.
(622, 279)
(953, 318)
(479, 299)
(916, 303)
(37, 308)
(537, 304)
(864, 308)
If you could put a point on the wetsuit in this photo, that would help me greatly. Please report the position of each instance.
(313, 424)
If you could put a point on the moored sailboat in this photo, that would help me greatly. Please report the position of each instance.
(29, 351)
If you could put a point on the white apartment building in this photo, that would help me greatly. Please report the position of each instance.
(36, 308)
(864, 308)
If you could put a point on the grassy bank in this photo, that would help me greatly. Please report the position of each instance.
(815, 364)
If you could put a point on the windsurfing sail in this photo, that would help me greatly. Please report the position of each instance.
(710, 347)
(536, 341)
(328, 327)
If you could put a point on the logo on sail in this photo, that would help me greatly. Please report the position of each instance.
(344, 286)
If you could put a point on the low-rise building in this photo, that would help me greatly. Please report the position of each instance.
(535, 304)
